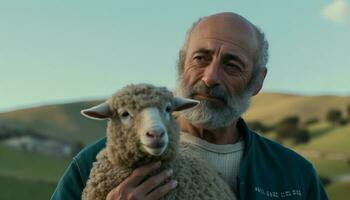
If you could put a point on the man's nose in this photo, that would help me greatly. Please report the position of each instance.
(211, 76)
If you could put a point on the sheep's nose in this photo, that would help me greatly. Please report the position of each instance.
(155, 134)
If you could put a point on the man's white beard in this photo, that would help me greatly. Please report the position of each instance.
(207, 114)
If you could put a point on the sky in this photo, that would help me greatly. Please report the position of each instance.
(70, 50)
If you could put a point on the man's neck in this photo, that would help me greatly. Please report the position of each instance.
(226, 135)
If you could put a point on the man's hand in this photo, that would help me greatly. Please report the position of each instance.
(131, 188)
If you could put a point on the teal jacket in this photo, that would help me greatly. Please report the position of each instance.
(268, 171)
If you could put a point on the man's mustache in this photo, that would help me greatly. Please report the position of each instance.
(216, 91)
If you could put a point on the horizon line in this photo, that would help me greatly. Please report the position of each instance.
(96, 98)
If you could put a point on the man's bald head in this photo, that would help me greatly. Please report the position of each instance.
(229, 23)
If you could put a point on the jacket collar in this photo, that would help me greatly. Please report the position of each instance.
(245, 133)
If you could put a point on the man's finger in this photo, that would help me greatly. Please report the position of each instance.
(161, 191)
(153, 182)
(138, 174)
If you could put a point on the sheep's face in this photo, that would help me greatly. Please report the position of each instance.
(151, 126)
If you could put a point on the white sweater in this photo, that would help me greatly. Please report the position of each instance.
(225, 159)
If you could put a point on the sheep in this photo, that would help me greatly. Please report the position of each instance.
(141, 130)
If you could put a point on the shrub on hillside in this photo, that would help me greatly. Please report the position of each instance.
(301, 136)
(289, 128)
(334, 116)
(344, 121)
(292, 120)
(311, 121)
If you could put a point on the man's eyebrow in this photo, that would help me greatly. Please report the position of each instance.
(227, 56)
(203, 50)
(234, 57)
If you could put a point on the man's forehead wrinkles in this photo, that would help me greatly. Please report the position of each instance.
(209, 47)
(225, 41)
(238, 35)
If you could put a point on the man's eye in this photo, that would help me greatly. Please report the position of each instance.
(233, 69)
(201, 58)
(234, 66)
(198, 58)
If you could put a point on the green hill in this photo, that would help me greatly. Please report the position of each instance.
(63, 121)
(336, 140)
(269, 108)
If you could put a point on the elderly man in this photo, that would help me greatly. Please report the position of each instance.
(222, 64)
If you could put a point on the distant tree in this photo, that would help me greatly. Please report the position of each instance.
(348, 111)
(7, 132)
(287, 127)
(290, 128)
(334, 116)
(292, 120)
(344, 121)
(301, 136)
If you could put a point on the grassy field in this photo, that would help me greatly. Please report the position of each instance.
(12, 188)
(330, 168)
(336, 140)
(328, 139)
(30, 166)
(39, 175)
(26, 175)
(339, 191)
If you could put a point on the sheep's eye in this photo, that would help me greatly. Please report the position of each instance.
(168, 109)
(125, 114)
(125, 117)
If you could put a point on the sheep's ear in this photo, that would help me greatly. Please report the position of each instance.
(99, 112)
(181, 103)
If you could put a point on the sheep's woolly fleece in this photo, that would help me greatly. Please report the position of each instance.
(196, 179)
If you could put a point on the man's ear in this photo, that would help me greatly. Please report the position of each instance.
(261, 78)
(181, 103)
(99, 112)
